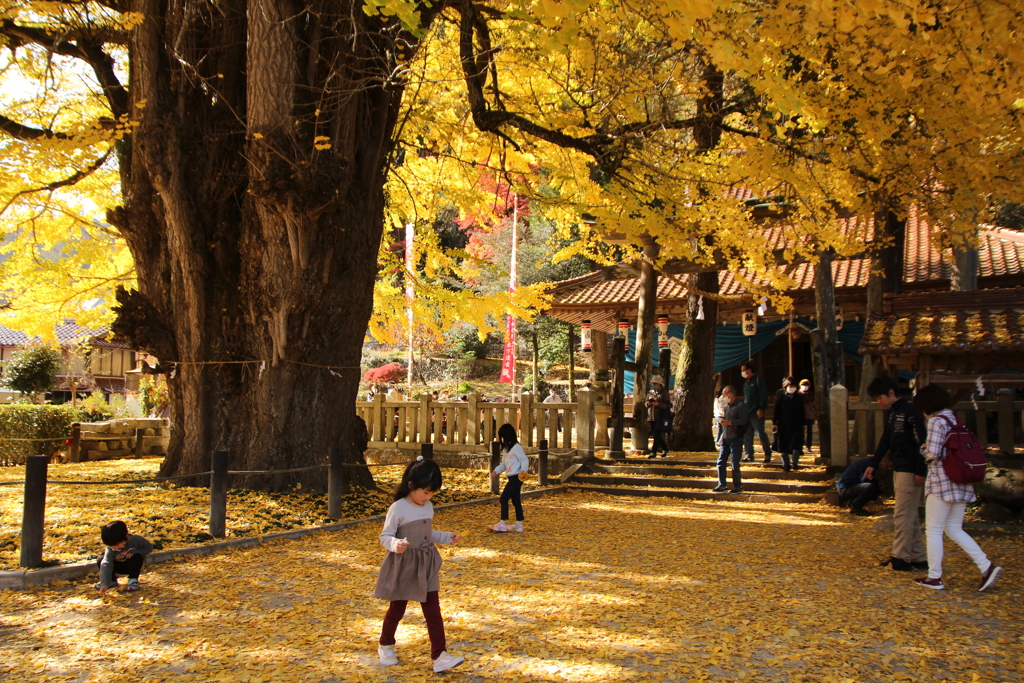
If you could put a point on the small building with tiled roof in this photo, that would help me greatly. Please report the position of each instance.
(103, 366)
(952, 338)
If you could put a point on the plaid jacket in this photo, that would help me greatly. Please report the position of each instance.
(937, 483)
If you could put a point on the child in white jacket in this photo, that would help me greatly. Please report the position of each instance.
(513, 463)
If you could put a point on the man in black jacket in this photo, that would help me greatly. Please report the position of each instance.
(904, 433)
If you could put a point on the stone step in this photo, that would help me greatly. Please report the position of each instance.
(694, 483)
(706, 470)
(694, 494)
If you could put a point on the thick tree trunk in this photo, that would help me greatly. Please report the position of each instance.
(253, 207)
(692, 429)
(826, 372)
(646, 309)
(886, 276)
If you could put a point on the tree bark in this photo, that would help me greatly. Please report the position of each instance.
(253, 206)
(827, 371)
(886, 275)
(646, 309)
(693, 406)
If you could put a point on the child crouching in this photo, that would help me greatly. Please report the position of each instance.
(125, 555)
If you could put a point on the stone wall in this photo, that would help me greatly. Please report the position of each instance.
(119, 438)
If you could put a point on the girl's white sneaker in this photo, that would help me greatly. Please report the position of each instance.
(387, 655)
(500, 526)
(445, 661)
(518, 527)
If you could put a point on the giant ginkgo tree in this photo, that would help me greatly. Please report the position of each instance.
(254, 140)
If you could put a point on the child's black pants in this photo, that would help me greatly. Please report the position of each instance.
(512, 490)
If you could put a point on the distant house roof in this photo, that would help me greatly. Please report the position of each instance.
(66, 333)
(1000, 253)
(978, 321)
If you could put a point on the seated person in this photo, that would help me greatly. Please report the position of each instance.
(855, 491)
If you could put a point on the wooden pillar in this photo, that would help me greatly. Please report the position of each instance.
(572, 363)
(473, 422)
(495, 461)
(618, 363)
(526, 419)
(598, 353)
(824, 345)
(542, 466)
(1004, 404)
(335, 483)
(219, 494)
(584, 422)
(33, 515)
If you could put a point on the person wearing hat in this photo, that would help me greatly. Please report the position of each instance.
(810, 410)
(659, 415)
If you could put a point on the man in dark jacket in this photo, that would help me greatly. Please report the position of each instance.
(755, 397)
(904, 433)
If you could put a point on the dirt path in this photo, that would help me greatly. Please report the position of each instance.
(597, 589)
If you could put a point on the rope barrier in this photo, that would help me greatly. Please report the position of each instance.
(125, 481)
(56, 438)
(296, 469)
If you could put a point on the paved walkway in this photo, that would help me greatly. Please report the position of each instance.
(597, 589)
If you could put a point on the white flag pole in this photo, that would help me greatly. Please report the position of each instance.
(410, 231)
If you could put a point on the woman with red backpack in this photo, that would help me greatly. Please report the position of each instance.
(945, 499)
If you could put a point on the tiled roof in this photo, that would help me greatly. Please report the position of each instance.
(945, 332)
(66, 333)
(9, 337)
(1000, 252)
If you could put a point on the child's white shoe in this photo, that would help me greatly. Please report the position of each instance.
(445, 661)
(518, 527)
(387, 655)
(500, 526)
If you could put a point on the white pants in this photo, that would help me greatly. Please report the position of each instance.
(941, 516)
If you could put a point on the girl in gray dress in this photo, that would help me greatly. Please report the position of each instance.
(412, 563)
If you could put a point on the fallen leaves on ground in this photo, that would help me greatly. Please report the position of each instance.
(173, 516)
(598, 588)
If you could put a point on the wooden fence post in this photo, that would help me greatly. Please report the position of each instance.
(473, 426)
(495, 461)
(219, 494)
(381, 427)
(427, 451)
(542, 467)
(526, 419)
(1004, 405)
(140, 450)
(335, 483)
(839, 397)
(34, 510)
(75, 449)
(426, 421)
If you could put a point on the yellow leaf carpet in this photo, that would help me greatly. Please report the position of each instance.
(598, 588)
(172, 516)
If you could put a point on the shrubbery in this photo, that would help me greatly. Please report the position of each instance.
(391, 372)
(33, 369)
(28, 421)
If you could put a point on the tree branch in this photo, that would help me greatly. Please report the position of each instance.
(57, 184)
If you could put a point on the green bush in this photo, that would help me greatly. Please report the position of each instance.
(28, 421)
(33, 369)
(96, 409)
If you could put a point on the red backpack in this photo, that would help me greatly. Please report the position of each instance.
(965, 461)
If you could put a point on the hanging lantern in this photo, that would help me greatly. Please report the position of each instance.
(662, 332)
(749, 323)
(839, 318)
(623, 331)
(585, 336)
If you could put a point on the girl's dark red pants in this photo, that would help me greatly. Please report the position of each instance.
(431, 613)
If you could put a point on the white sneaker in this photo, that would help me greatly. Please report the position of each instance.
(500, 526)
(518, 527)
(387, 655)
(445, 661)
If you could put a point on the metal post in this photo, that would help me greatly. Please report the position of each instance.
(34, 510)
(219, 494)
(427, 451)
(543, 466)
(495, 461)
(335, 483)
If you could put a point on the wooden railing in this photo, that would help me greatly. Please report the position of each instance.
(866, 421)
(469, 426)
